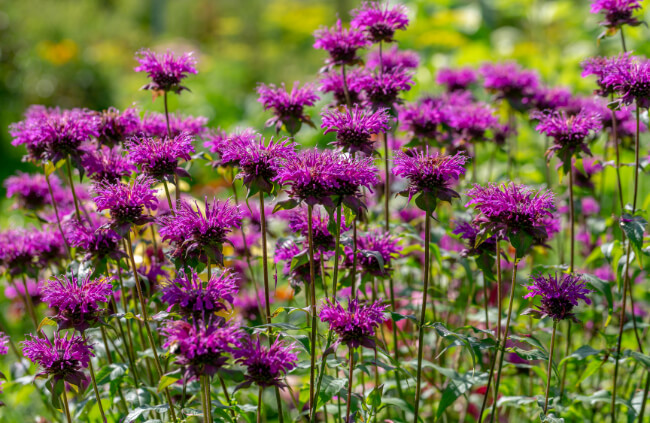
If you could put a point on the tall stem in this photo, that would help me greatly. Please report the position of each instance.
(208, 397)
(74, 194)
(225, 393)
(572, 223)
(94, 381)
(618, 158)
(265, 260)
(337, 245)
(350, 374)
(259, 405)
(312, 287)
(353, 273)
(425, 274)
(66, 406)
(346, 91)
(169, 198)
(56, 212)
(550, 367)
(29, 304)
(145, 317)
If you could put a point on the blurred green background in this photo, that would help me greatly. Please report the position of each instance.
(81, 53)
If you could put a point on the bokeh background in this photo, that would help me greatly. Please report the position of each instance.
(74, 53)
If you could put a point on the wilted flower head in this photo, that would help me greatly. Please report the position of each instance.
(617, 13)
(126, 202)
(355, 128)
(266, 366)
(78, 300)
(511, 208)
(194, 297)
(341, 44)
(393, 58)
(379, 21)
(31, 190)
(559, 294)
(332, 82)
(199, 347)
(510, 82)
(155, 125)
(317, 177)
(165, 70)
(197, 232)
(382, 89)
(429, 175)
(115, 126)
(355, 326)
(375, 252)
(106, 164)
(159, 158)
(63, 358)
(288, 107)
(423, 118)
(456, 79)
(569, 133)
(629, 76)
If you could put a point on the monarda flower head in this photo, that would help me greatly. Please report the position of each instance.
(456, 79)
(356, 325)
(94, 238)
(266, 366)
(341, 43)
(31, 191)
(258, 160)
(559, 294)
(126, 202)
(63, 358)
(323, 240)
(569, 133)
(201, 348)
(328, 177)
(193, 297)
(471, 122)
(288, 107)
(332, 82)
(629, 76)
(159, 158)
(77, 300)
(115, 126)
(469, 232)
(422, 119)
(617, 13)
(513, 211)
(355, 128)
(382, 89)
(379, 22)
(510, 82)
(106, 164)
(429, 176)
(548, 99)
(375, 252)
(166, 71)
(26, 251)
(195, 232)
(393, 58)
(299, 275)
(598, 66)
(155, 125)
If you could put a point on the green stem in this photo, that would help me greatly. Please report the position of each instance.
(66, 406)
(550, 367)
(56, 212)
(312, 287)
(29, 304)
(425, 274)
(94, 381)
(169, 198)
(337, 246)
(74, 194)
(349, 398)
(259, 405)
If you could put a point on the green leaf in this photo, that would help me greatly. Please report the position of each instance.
(640, 358)
(591, 368)
(582, 353)
(374, 397)
(458, 385)
(427, 201)
(285, 205)
(605, 289)
(329, 388)
(167, 380)
(521, 241)
(45, 322)
(634, 226)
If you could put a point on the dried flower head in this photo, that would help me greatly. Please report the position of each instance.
(355, 325)
(559, 294)
(166, 71)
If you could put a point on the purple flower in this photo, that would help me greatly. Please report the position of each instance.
(4, 341)
(429, 175)
(115, 126)
(598, 66)
(96, 240)
(355, 326)
(469, 231)
(258, 160)
(355, 128)
(332, 82)
(106, 164)
(393, 58)
(63, 358)
(375, 252)
(323, 240)
(77, 300)
(341, 44)
(155, 125)
(31, 190)
(551, 98)
(508, 81)
(456, 79)
(288, 107)
(188, 292)
(266, 366)
(382, 89)
(319, 177)
(165, 70)
(126, 202)
(629, 76)
(26, 251)
(159, 158)
(617, 13)
(423, 118)
(197, 232)
(201, 349)
(511, 208)
(559, 294)
(299, 275)
(378, 21)
(470, 122)
(569, 133)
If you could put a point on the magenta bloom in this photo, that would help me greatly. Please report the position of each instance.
(629, 76)
(96, 240)
(328, 177)
(569, 133)
(300, 275)
(341, 44)
(31, 190)
(393, 58)
(355, 326)
(598, 66)
(258, 160)
(288, 107)
(323, 240)
(63, 358)
(617, 13)
(422, 119)
(510, 82)
(165, 70)
(382, 89)
(26, 251)
(506, 209)
(559, 295)
(106, 164)
(471, 122)
(155, 125)
(468, 232)
(354, 128)
(202, 350)
(159, 158)
(266, 366)
(127, 202)
(332, 82)
(196, 232)
(78, 301)
(551, 98)
(429, 175)
(375, 252)
(193, 297)
(378, 21)
(456, 79)
(115, 126)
